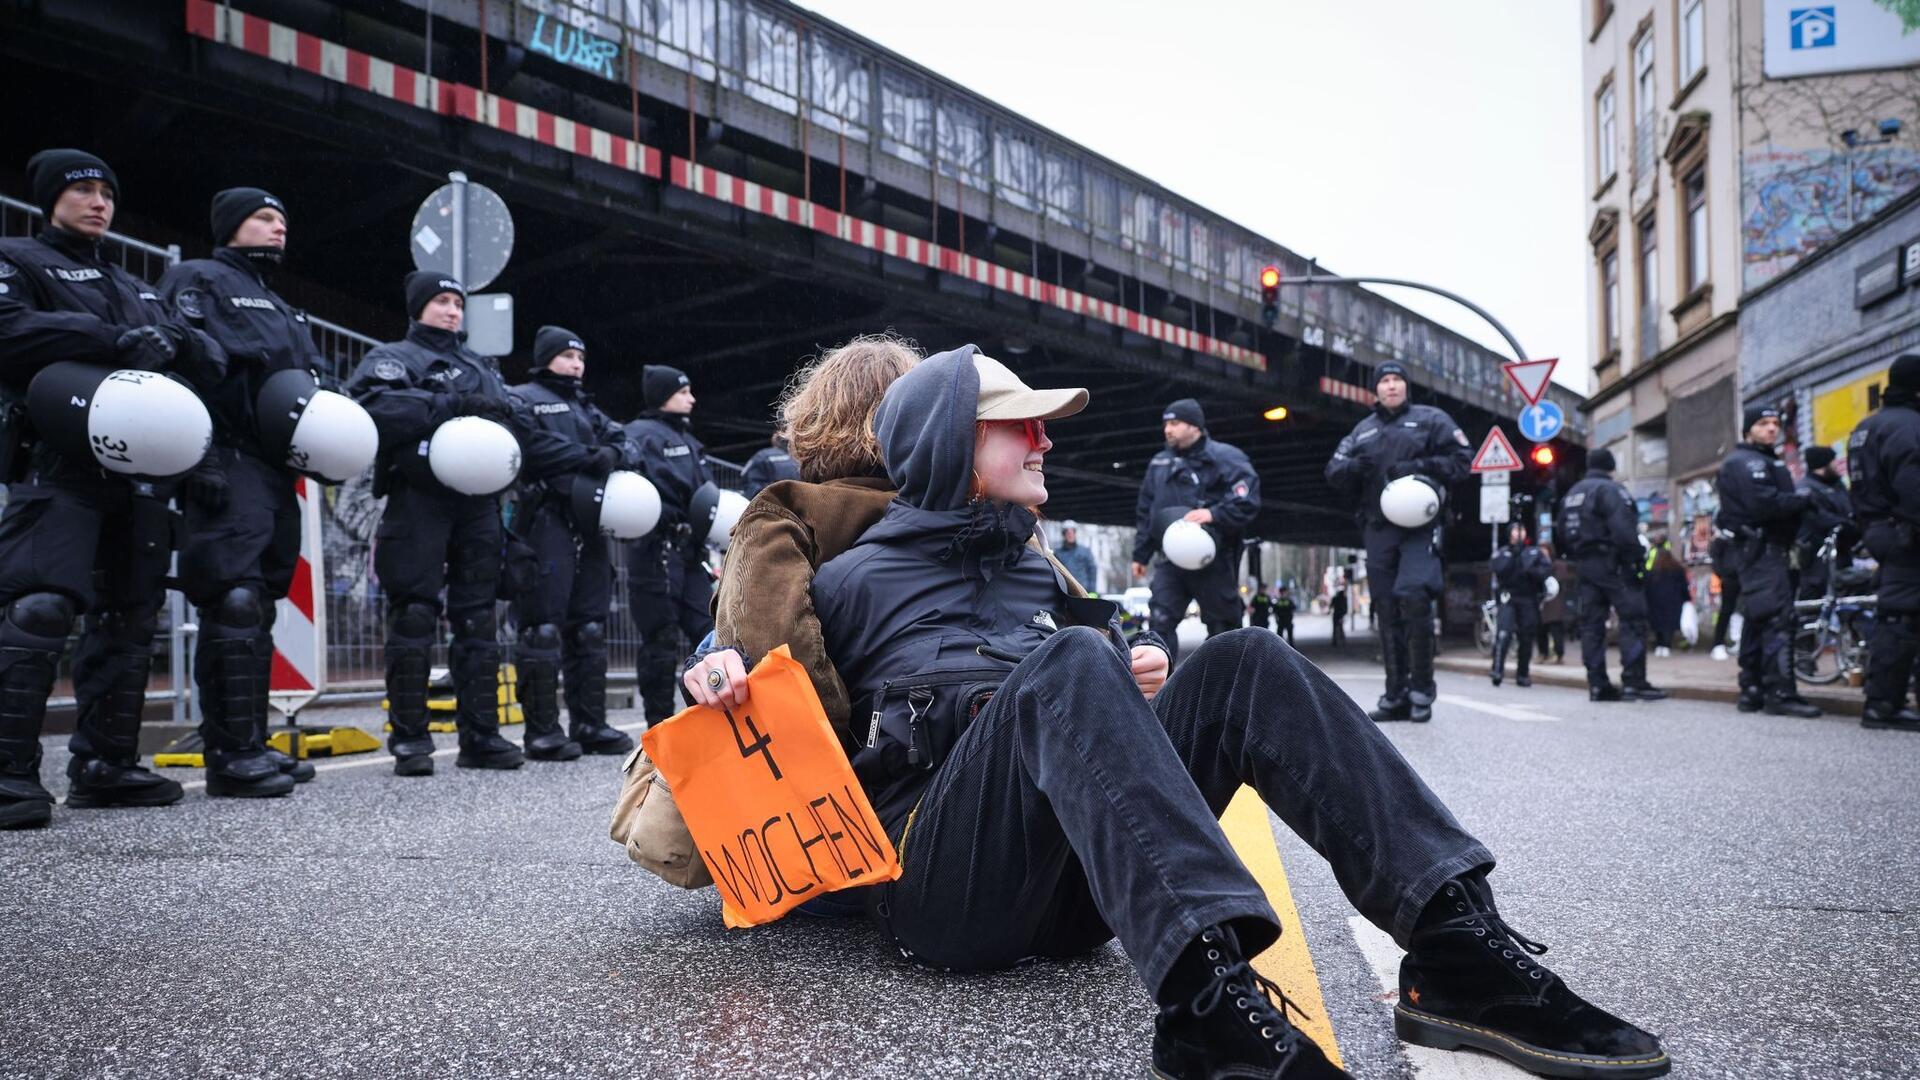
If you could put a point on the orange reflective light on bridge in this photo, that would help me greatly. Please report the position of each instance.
(1278, 412)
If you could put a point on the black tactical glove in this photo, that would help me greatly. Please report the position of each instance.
(1403, 468)
(147, 348)
(485, 406)
(207, 488)
(603, 461)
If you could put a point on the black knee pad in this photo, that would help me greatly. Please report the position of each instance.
(544, 636)
(43, 614)
(592, 635)
(413, 620)
(240, 607)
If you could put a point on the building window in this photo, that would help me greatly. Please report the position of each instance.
(1644, 108)
(1609, 132)
(1647, 270)
(1694, 190)
(1693, 39)
(1610, 302)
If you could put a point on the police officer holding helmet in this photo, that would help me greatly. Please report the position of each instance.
(432, 537)
(1520, 575)
(1759, 506)
(1209, 483)
(561, 609)
(1397, 441)
(242, 537)
(1883, 458)
(1598, 527)
(668, 586)
(77, 539)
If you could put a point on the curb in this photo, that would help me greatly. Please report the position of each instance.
(1848, 702)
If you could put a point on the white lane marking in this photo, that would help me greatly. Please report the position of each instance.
(358, 762)
(1504, 712)
(1383, 956)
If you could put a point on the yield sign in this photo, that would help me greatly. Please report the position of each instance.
(1531, 376)
(1496, 454)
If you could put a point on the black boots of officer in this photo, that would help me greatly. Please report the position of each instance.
(32, 633)
(538, 665)
(1890, 660)
(1469, 979)
(410, 632)
(110, 672)
(227, 671)
(1218, 1017)
(586, 672)
(1523, 663)
(475, 659)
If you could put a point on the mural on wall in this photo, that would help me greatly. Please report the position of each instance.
(1796, 201)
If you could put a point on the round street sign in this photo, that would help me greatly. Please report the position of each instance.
(1542, 421)
(489, 235)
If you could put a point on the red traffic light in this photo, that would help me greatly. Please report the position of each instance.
(1543, 456)
(1270, 277)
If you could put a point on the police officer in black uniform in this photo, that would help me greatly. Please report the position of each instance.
(1520, 573)
(561, 609)
(1598, 528)
(1828, 508)
(431, 537)
(242, 537)
(1883, 458)
(1760, 508)
(74, 539)
(1283, 610)
(1403, 565)
(668, 586)
(769, 464)
(1215, 484)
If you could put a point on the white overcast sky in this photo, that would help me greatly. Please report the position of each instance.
(1439, 142)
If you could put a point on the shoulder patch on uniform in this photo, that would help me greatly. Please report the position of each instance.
(1460, 437)
(1240, 489)
(188, 303)
(389, 369)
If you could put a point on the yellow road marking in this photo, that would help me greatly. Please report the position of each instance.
(1288, 963)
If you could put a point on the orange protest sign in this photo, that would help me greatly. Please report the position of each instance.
(771, 801)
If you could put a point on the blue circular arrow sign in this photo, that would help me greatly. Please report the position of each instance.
(1542, 421)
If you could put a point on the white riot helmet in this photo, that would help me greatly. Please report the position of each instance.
(1553, 588)
(713, 513)
(1188, 545)
(474, 456)
(325, 435)
(135, 423)
(1410, 502)
(625, 506)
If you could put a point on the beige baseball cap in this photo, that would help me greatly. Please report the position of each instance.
(1004, 397)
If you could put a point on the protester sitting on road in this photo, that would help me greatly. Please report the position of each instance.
(1041, 805)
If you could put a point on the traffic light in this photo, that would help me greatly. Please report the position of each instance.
(1543, 456)
(1270, 294)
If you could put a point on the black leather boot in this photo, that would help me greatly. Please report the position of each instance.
(301, 771)
(1471, 980)
(410, 631)
(225, 672)
(587, 694)
(1887, 717)
(110, 681)
(539, 668)
(26, 678)
(1230, 1026)
(476, 681)
(1499, 668)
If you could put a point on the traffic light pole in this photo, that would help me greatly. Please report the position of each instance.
(1329, 279)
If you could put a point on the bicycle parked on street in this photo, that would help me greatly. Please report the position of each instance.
(1831, 642)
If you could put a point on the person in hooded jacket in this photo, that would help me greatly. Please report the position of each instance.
(1828, 508)
(1762, 511)
(1883, 458)
(768, 464)
(1049, 787)
(242, 537)
(1404, 575)
(668, 585)
(561, 609)
(1200, 479)
(431, 537)
(78, 542)
(1520, 573)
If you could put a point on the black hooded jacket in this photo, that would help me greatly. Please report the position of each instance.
(1757, 495)
(1389, 444)
(925, 614)
(674, 460)
(560, 406)
(1883, 461)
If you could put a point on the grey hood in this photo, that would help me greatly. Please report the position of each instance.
(925, 427)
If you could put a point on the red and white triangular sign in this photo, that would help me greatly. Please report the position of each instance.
(1496, 454)
(1531, 376)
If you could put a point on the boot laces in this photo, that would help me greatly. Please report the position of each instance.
(1487, 924)
(1252, 993)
